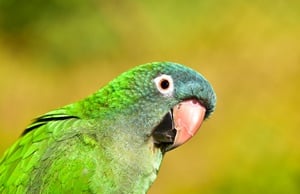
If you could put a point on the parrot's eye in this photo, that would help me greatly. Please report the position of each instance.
(164, 84)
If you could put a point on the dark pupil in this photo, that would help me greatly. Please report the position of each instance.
(164, 84)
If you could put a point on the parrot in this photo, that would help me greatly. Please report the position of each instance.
(114, 140)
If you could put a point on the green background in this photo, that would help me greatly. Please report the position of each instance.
(56, 52)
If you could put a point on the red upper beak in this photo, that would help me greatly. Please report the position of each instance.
(188, 117)
(179, 125)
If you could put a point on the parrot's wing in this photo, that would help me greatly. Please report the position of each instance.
(56, 153)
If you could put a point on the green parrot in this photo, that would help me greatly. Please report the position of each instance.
(114, 140)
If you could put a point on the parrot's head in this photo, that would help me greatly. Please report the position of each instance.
(167, 102)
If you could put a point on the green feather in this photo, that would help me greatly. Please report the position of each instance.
(103, 143)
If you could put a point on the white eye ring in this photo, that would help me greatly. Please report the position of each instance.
(164, 84)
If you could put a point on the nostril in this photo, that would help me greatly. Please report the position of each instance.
(194, 101)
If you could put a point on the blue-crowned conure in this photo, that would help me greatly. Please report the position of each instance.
(114, 140)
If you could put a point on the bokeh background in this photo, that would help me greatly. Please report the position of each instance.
(56, 52)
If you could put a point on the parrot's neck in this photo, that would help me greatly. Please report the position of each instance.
(133, 159)
(136, 167)
(124, 137)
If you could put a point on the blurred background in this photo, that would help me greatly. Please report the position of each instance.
(55, 52)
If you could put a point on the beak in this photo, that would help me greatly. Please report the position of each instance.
(179, 125)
